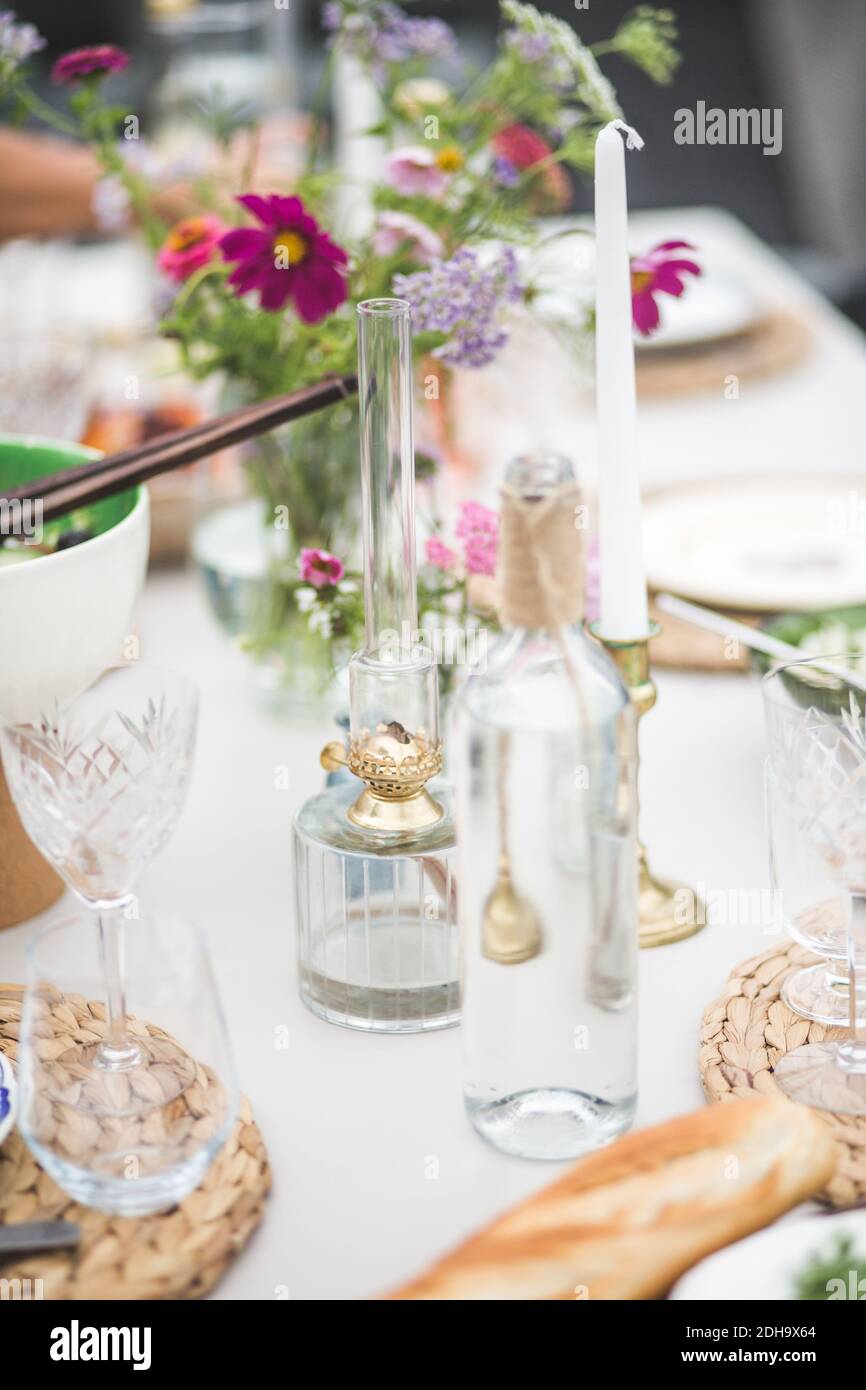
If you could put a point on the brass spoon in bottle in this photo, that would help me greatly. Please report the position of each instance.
(511, 931)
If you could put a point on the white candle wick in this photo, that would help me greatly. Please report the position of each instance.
(633, 141)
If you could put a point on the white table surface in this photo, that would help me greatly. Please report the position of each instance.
(352, 1121)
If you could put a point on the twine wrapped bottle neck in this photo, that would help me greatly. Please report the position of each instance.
(541, 569)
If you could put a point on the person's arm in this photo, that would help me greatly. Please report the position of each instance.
(46, 185)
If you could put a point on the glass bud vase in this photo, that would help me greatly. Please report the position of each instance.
(544, 758)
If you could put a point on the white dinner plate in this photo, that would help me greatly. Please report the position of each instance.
(766, 1265)
(772, 543)
(713, 307)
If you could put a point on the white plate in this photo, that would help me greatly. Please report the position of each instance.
(713, 307)
(8, 1097)
(773, 543)
(766, 1265)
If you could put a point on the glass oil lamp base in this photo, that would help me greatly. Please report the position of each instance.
(391, 816)
(377, 918)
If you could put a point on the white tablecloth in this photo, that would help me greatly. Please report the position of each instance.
(351, 1121)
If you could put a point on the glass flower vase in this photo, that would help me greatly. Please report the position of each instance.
(298, 492)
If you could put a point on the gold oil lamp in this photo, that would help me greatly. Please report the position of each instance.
(376, 900)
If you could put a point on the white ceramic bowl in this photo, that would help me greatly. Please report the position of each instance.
(64, 617)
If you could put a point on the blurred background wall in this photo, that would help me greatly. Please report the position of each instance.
(803, 56)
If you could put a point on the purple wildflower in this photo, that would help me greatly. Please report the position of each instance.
(462, 299)
(18, 42)
(506, 174)
(531, 47)
(111, 204)
(428, 38)
(382, 33)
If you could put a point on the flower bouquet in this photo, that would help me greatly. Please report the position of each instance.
(264, 285)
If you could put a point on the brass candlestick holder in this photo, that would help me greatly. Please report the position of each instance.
(667, 911)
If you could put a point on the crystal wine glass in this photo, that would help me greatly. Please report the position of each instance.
(99, 782)
(817, 730)
(128, 1141)
(814, 909)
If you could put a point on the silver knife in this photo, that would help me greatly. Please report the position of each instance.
(38, 1235)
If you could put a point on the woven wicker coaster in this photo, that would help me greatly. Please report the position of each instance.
(777, 342)
(748, 1028)
(181, 1253)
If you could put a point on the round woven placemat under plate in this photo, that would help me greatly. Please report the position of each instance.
(180, 1253)
(777, 342)
(745, 1032)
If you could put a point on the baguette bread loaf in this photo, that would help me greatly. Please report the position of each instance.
(627, 1221)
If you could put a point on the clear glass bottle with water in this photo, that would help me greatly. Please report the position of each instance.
(544, 762)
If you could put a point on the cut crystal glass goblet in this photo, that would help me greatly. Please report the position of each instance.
(99, 782)
(816, 721)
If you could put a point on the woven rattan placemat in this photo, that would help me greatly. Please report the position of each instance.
(181, 1253)
(744, 1033)
(776, 342)
(684, 647)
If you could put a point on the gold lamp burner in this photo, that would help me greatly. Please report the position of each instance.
(396, 766)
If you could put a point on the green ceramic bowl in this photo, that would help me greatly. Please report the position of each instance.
(64, 615)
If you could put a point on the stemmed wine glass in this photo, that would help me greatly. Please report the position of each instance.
(813, 908)
(99, 782)
(816, 721)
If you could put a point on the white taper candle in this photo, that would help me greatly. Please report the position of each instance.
(623, 614)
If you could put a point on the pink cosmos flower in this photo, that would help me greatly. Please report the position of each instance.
(657, 272)
(414, 170)
(320, 568)
(478, 528)
(288, 257)
(440, 554)
(189, 245)
(96, 61)
(400, 229)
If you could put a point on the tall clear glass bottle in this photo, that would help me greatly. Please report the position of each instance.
(377, 931)
(544, 761)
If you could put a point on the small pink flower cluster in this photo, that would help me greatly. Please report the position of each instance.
(440, 555)
(320, 568)
(478, 528)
